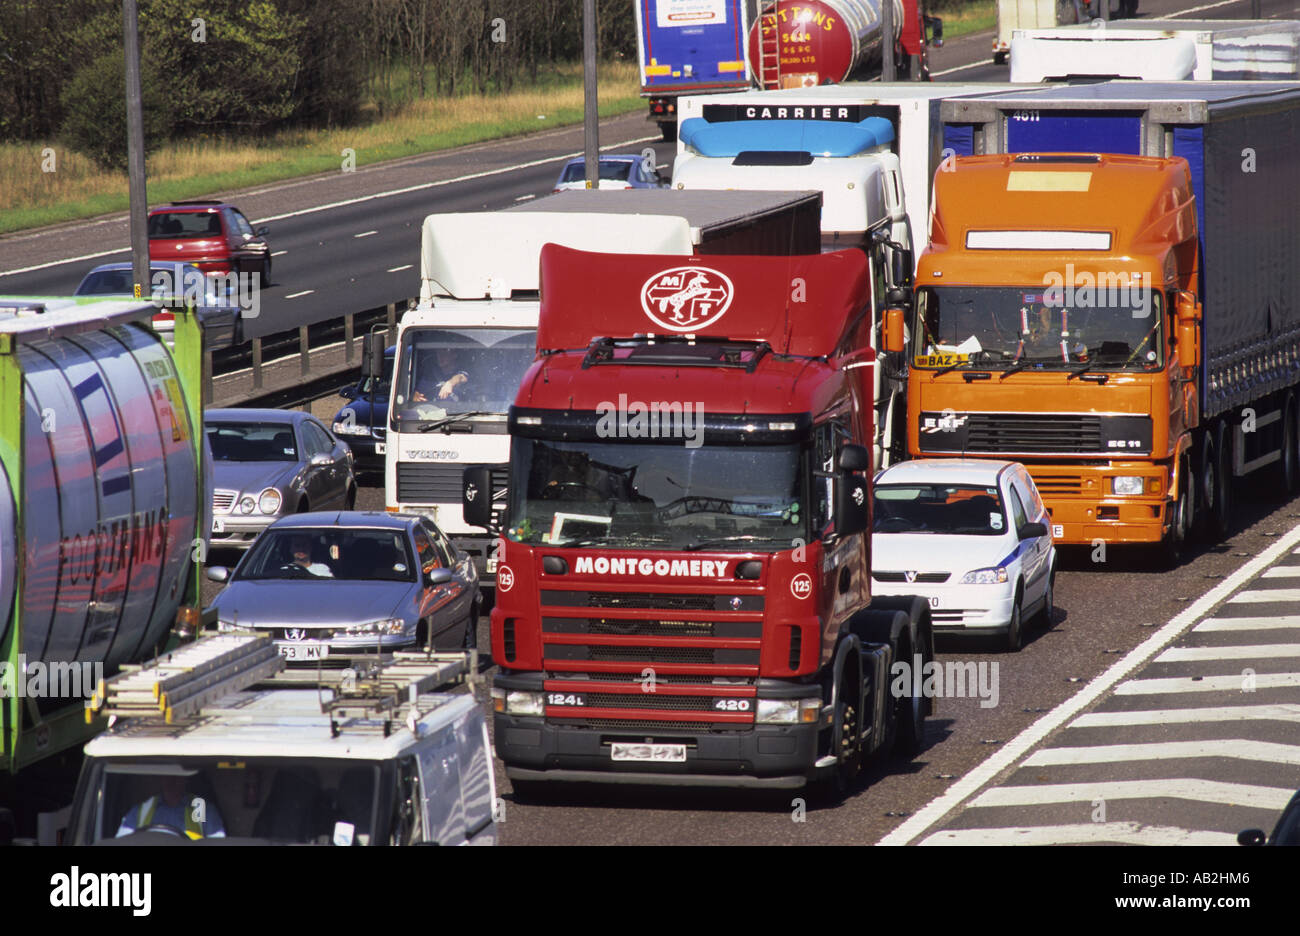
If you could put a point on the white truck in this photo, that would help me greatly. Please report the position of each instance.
(1160, 50)
(1034, 14)
(477, 317)
(871, 148)
(213, 744)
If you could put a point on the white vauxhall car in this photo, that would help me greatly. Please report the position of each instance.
(969, 535)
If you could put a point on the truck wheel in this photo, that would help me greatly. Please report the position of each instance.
(1015, 633)
(1287, 474)
(1180, 521)
(529, 791)
(999, 58)
(669, 132)
(910, 717)
(1221, 519)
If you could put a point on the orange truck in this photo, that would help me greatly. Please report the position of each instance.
(1122, 324)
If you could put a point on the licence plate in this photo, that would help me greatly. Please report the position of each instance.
(304, 651)
(218, 526)
(381, 448)
(658, 753)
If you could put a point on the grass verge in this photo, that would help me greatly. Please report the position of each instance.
(971, 18)
(33, 197)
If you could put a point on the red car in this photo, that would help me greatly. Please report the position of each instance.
(213, 236)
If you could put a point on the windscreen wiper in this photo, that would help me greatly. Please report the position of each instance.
(1013, 369)
(724, 540)
(458, 417)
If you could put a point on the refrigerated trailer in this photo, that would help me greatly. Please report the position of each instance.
(1125, 445)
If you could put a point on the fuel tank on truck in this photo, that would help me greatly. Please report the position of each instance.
(99, 484)
(803, 43)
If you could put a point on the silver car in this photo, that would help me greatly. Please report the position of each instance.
(268, 463)
(344, 584)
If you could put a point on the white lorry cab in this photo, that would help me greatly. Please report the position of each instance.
(374, 759)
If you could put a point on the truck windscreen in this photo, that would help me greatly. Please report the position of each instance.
(627, 494)
(445, 371)
(1106, 328)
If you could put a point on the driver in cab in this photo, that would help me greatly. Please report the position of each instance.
(191, 816)
(438, 378)
(300, 550)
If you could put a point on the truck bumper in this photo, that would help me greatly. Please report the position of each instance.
(761, 756)
(1084, 509)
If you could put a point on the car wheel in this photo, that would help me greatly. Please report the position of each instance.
(470, 641)
(1045, 615)
(266, 271)
(303, 506)
(350, 499)
(1015, 633)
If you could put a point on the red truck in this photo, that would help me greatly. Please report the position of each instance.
(683, 580)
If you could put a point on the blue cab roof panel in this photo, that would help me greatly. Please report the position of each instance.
(818, 137)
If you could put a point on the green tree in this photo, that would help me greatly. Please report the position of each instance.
(94, 110)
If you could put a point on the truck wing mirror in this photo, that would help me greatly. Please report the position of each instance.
(1187, 316)
(852, 505)
(476, 496)
(893, 331)
(372, 356)
(854, 458)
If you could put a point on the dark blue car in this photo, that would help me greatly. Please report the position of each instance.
(362, 428)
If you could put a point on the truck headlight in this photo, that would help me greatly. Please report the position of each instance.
(985, 576)
(246, 505)
(788, 711)
(518, 702)
(389, 626)
(355, 429)
(269, 501)
(1127, 484)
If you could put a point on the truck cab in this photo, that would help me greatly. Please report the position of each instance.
(684, 588)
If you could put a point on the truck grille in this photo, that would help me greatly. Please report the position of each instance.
(649, 700)
(1004, 432)
(1058, 484)
(440, 482)
(640, 600)
(631, 627)
(631, 653)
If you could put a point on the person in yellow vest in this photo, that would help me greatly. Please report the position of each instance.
(193, 816)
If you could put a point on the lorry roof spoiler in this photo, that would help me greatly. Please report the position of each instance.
(819, 137)
(798, 305)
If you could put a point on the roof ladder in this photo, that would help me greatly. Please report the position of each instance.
(769, 48)
(178, 684)
(385, 690)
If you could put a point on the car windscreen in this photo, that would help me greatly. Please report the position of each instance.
(608, 169)
(338, 553)
(968, 510)
(252, 441)
(445, 371)
(175, 225)
(107, 283)
(287, 800)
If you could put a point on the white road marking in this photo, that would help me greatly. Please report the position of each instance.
(1200, 791)
(1255, 652)
(1111, 833)
(1018, 746)
(275, 253)
(365, 234)
(1282, 572)
(1237, 748)
(305, 292)
(1284, 713)
(352, 201)
(1255, 596)
(1248, 624)
(1207, 6)
(1206, 684)
(400, 268)
(525, 198)
(949, 71)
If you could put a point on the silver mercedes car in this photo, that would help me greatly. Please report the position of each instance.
(343, 584)
(268, 463)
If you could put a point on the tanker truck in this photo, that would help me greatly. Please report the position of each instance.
(101, 521)
(689, 47)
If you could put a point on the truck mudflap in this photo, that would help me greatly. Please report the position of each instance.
(751, 755)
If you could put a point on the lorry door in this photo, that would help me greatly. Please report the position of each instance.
(444, 811)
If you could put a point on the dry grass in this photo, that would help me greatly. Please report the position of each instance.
(30, 197)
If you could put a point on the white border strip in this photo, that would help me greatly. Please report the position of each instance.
(941, 806)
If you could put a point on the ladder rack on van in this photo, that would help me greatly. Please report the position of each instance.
(384, 691)
(178, 684)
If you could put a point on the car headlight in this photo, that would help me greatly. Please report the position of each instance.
(1127, 484)
(518, 702)
(357, 429)
(788, 711)
(269, 501)
(985, 576)
(246, 505)
(388, 626)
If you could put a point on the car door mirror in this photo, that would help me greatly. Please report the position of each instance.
(1032, 530)
(436, 577)
(321, 460)
(349, 392)
(218, 574)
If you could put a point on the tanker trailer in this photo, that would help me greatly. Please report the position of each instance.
(101, 504)
(805, 43)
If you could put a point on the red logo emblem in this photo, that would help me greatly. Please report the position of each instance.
(505, 578)
(686, 299)
(801, 585)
